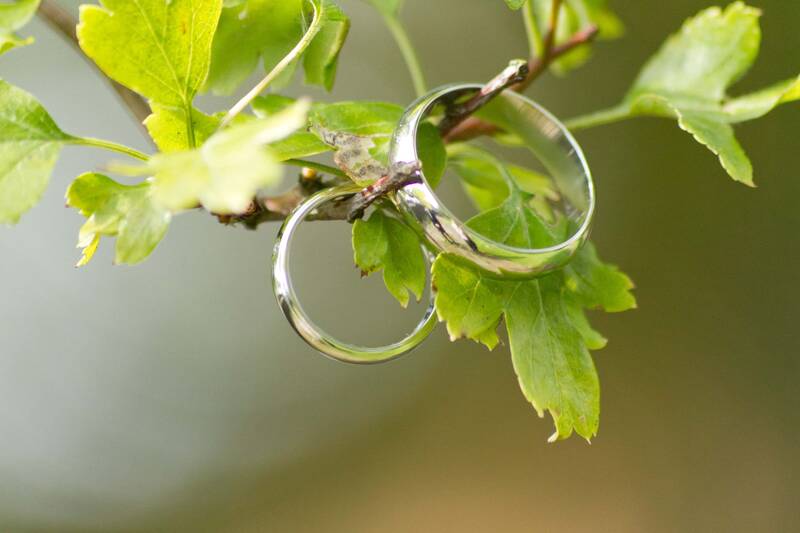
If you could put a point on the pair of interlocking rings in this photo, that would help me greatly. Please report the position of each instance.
(443, 232)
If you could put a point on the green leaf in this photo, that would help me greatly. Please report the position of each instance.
(598, 285)
(253, 31)
(297, 145)
(269, 104)
(432, 153)
(169, 130)
(470, 303)
(360, 132)
(14, 16)
(321, 59)
(159, 49)
(361, 129)
(225, 173)
(9, 41)
(515, 4)
(551, 358)
(384, 243)
(712, 50)
(357, 118)
(122, 211)
(759, 103)
(360, 158)
(487, 183)
(718, 137)
(689, 77)
(30, 142)
(576, 15)
(548, 331)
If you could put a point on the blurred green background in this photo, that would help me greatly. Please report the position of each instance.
(174, 397)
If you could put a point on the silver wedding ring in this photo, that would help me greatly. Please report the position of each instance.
(315, 336)
(443, 232)
(542, 134)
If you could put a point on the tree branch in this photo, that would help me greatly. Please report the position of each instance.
(516, 72)
(60, 20)
(277, 208)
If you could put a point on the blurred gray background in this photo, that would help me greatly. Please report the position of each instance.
(173, 396)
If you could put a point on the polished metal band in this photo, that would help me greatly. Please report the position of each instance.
(543, 135)
(310, 332)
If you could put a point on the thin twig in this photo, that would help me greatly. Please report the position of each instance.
(408, 52)
(60, 20)
(552, 27)
(398, 177)
(474, 127)
(277, 208)
(514, 73)
(539, 65)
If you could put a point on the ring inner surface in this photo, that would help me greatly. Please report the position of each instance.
(547, 140)
(314, 335)
(525, 124)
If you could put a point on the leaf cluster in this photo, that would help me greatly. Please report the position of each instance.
(169, 52)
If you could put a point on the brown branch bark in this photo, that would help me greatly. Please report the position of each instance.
(60, 20)
(516, 72)
(277, 208)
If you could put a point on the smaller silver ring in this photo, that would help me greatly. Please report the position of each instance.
(297, 317)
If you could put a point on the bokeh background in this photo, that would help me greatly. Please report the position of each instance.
(174, 397)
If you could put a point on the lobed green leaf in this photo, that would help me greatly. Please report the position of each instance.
(169, 130)
(224, 174)
(253, 31)
(759, 103)
(385, 243)
(13, 16)
(487, 183)
(159, 49)
(712, 51)
(321, 59)
(689, 77)
(127, 212)
(548, 331)
(30, 142)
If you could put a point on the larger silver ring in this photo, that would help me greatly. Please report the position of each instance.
(297, 317)
(549, 141)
